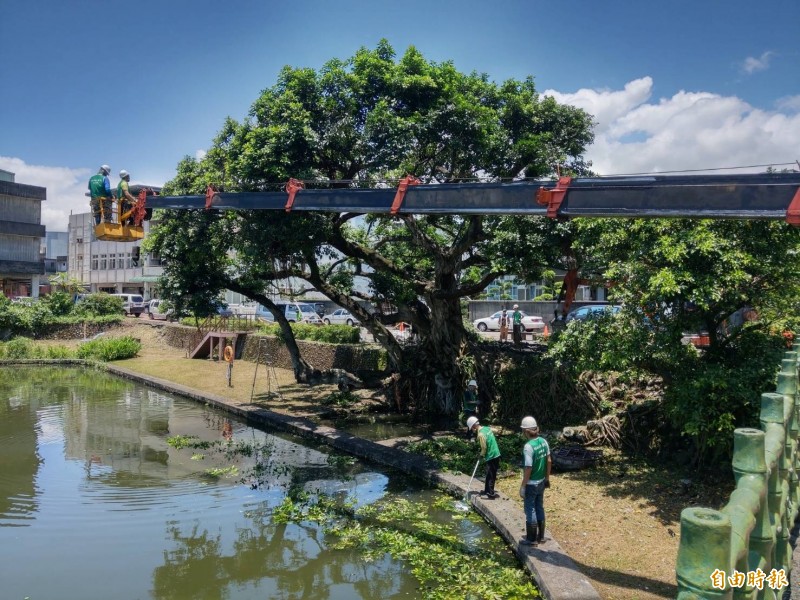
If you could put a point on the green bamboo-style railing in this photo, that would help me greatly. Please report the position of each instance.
(745, 546)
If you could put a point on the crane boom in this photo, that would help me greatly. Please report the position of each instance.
(759, 196)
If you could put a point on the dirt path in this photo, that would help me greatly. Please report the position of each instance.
(620, 522)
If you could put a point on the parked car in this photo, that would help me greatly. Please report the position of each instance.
(591, 312)
(306, 313)
(132, 304)
(340, 316)
(224, 311)
(155, 310)
(492, 323)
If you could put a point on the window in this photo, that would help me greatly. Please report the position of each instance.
(112, 261)
(103, 262)
(128, 264)
(94, 263)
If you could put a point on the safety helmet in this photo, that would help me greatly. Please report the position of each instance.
(471, 422)
(105, 169)
(123, 174)
(516, 306)
(529, 423)
(472, 382)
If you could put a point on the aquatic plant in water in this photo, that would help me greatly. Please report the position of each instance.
(447, 567)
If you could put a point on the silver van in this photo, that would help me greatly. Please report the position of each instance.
(132, 304)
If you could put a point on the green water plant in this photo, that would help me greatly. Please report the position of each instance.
(419, 534)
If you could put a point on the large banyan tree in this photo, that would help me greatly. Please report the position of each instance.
(366, 122)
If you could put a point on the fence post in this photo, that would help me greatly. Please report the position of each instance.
(705, 547)
(752, 531)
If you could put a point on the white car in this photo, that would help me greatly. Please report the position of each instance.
(155, 310)
(531, 323)
(340, 317)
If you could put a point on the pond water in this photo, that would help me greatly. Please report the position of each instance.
(95, 504)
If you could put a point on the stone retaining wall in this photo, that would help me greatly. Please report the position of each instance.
(350, 357)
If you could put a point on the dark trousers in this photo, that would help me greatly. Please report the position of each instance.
(491, 475)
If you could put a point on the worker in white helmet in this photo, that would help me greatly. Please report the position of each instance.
(471, 402)
(536, 463)
(125, 200)
(490, 453)
(100, 195)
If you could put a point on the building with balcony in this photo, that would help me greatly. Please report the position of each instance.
(21, 231)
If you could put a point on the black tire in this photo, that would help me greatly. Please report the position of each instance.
(482, 327)
(327, 321)
(349, 322)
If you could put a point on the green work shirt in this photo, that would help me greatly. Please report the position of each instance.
(470, 401)
(534, 455)
(489, 449)
(97, 186)
(517, 317)
(122, 187)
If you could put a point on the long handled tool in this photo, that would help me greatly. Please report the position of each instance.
(469, 487)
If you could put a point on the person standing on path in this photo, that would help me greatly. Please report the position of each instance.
(490, 454)
(100, 195)
(516, 318)
(537, 463)
(504, 326)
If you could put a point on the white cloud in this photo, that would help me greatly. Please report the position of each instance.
(65, 189)
(690, 130)
(788, 103)
(200, 154)
(752, 65)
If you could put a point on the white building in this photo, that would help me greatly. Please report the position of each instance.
(113, 267)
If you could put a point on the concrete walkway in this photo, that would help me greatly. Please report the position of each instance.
(555, 573)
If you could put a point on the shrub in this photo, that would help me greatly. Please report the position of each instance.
(331, 334)
(59, 303)
(59, 351)
(19, 347)
(99, 305)
(110, 349)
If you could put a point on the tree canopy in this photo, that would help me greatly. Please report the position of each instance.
(366, 121)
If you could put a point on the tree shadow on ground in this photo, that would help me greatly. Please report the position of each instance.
(662, 488)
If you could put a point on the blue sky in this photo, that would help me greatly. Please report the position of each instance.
(138, 85)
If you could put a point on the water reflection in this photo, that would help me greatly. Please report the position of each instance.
(89, 486)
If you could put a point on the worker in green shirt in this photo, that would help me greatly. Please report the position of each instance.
(125, 200)
(100, 195)
(537, 463)
(490, 454)
(516, 319)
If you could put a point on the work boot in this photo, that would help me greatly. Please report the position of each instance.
(541, 537)
(530, 535)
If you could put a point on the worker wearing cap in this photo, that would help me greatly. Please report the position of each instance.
(490, 453)
(536, 463)
(504, 319)
(471, 402)
(125, 200)
(516, 318)
(100, 195)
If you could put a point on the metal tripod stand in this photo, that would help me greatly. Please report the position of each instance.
(263, 356)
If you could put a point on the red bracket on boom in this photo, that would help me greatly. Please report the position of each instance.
(552, 198)
(139, 208)
(210, 191)
(402, 188)
(292, 187)
(793, 212)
